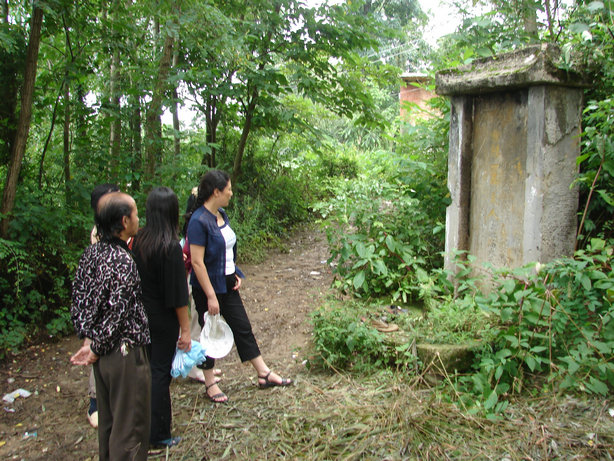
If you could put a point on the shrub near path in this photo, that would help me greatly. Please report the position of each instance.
(327, 415)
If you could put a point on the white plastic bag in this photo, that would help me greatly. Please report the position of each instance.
(216, 336)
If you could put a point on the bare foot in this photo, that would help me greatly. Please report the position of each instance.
(198, 375)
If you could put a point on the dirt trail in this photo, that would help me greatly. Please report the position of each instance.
(279, 294)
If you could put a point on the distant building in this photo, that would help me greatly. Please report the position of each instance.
(411, 92)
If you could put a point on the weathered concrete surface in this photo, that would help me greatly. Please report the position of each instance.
(533, 65)
(514, 139)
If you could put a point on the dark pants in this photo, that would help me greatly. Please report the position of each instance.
(233, 311)
(123, 394)
(164, 331)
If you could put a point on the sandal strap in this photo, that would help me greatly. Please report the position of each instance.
(266, 378)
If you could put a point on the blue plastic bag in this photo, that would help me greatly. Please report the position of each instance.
(185, 361)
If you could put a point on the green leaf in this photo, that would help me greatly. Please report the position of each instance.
(578, 28)
(390, 243)
(359, 280)
(491, 401)
(503, 353)
(597, 386)
(499, 372)
(607, 198)
(361, 250)
(538, 349)
(380, 267)
(595, 6)
(531, 363)
(586, 282)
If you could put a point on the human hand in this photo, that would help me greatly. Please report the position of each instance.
(213, 306)
(185, 341)
(238, 284)
(84, 356)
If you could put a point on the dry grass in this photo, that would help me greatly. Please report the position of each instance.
(336, 416)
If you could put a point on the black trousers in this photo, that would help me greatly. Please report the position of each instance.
(123, 396)
(164, 331)
(233, 311)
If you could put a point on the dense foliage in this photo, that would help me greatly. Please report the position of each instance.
(300, 105)
(556, 320)
(555, 323)
(93, 92)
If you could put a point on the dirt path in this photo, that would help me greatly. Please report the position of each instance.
(279, 294)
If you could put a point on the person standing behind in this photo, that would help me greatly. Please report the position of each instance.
(159, 259)
(216, 280)
(107, 311)
(96, 195)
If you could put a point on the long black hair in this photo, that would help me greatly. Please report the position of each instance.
(162, 223)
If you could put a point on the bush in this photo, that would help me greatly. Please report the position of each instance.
(344, 339)
(35, 269)
(374, 250)
(557, 320)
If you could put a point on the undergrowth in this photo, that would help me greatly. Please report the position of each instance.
(384, 415)
(554, 320)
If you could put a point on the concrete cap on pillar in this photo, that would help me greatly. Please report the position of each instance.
(530, 66)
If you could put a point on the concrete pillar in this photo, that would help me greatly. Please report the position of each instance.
(514, 139)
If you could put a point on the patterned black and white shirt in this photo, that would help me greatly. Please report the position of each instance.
(106, 299)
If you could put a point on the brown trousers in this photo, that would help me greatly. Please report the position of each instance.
(123, 391)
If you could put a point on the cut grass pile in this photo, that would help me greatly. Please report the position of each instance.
(336, 416)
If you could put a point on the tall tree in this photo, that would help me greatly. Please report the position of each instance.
(115, 92)
(18, 148)
(153, 124)
(175, 111)
(271, 49)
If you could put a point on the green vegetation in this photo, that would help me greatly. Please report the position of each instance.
(300, 105)
(551, 328)
(84, 91)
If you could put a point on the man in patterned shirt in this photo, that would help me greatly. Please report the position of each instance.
(108, 313)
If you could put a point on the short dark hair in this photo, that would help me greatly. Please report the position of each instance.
(99, 191)
(110, 213)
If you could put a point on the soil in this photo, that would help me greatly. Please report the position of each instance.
(51, 424)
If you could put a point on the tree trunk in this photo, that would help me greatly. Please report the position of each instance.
(153, 125)
(247, 125)
(67, 142)
(176, 126)
(211, 119)
(137, 159)
(21, 137)
(529, 13)
(550, 19)
(54, 115)
(116, 123)
(80, 140)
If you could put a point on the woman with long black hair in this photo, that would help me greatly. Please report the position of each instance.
(216, 280)
(159, 259)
